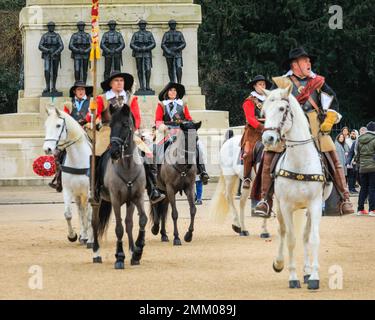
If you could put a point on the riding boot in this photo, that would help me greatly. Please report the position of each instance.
(247, 159)
(264, 207)
(151, 176)
(345, 206)
(201, 168)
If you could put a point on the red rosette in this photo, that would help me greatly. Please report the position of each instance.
(44, 166)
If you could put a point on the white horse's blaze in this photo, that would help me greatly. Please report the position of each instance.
(293, 195)
(60, 129)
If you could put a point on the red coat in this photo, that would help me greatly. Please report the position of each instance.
(159, 114)
(134, 108)
(249, 109)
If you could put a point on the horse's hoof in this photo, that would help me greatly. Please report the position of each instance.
(313, 284)
(82, 241)
(164, 238)
(155, 229)
(188, 236)
(236, 229)
(276, 269)
(135, 262)
(176, 242)
(97, 260)
(119, 265)
(244, 233)
(89, 245)
(74, 239)
(265, 235)
(294, 284)
(306, 278)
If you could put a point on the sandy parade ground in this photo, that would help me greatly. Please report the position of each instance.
(217, 264)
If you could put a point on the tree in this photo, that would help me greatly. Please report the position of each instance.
(239, 39)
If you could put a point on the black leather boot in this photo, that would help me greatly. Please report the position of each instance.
(151, 175)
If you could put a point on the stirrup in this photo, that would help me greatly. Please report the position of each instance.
(261, 213)
(342, 203)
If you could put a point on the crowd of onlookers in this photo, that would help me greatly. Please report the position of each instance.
(356, 151)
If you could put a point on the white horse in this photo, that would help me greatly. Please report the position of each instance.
(64, 133)
(223, 199)
(306, 190)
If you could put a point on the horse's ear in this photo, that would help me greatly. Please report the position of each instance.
(57, 112)
(197, 125)
(287, 91)
(47, 110)
(266, 92)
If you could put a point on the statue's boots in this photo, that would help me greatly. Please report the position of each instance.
(264, 207)
(151, 176)
(344, 206)
(247, 159)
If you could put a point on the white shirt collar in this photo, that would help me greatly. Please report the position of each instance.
(290, 73)
(178, 101)
(110, 94)
(258, 96)
(84, 98)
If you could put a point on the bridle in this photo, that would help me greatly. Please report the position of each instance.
(187, 166)
(66, 144)
(282, 123)
(123, 143)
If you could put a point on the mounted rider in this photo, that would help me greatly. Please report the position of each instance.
(170, 112)
(118, 93)
(319, 103)
(252, 108)
(78, 108)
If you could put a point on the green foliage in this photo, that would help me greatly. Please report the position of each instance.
(239, 39)
(10, 59)
(12, 5)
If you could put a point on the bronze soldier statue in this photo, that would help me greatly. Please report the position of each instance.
(80, 45)
(142, 43)
(172, 44)
(51, 46)
(112, 45)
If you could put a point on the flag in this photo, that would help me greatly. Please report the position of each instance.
(95, 49)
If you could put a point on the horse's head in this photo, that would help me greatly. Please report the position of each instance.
(122, 130)
(277, 111)
(56, 130)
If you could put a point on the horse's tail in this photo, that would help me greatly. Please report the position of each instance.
(158, 210)
(219, 206)
(104, 215)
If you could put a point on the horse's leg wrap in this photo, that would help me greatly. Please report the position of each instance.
(345, 206)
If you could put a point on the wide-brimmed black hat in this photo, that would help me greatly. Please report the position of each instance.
(179, 88)
(295, 54)
(128, 78)
(260, 77)
(78, 84)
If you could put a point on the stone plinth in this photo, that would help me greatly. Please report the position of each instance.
(22, 134)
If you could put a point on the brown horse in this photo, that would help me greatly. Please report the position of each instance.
(177, 174)
(122, 172)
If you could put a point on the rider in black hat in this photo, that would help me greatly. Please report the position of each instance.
(319, 103)
(171, 111)
(252, 107)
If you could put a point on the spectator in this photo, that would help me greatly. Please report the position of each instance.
(353, 137)
(366, 158)
(350, 163)
(345, 132)
(342, 150)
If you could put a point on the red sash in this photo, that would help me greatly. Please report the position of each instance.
(312, 85)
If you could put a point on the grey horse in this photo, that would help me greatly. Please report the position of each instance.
(177, 174)
(123, 182)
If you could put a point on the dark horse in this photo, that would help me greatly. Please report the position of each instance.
(122, 172)
(177, 174)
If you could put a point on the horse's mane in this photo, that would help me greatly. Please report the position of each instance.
(72, 125)
(123, 115)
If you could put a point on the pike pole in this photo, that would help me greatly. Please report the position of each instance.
(94, 57)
